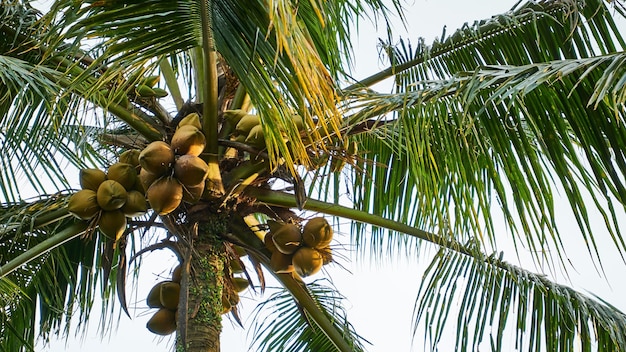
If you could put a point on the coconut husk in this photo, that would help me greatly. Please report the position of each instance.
(91, 178)
(112, 224)
(163, 322)
(188, 140)
(190, 170)
(307, 261)
(111, 195)
(157, 158)
(83, 204)
(317, 233)
(136, 204)
(165, 195)
(288, 238)
(125, 174)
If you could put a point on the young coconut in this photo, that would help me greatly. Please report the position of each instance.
(170, 294)
(146, 178)
(165, 195)
(281, 263)
(163, 322)
(111, 195)
(125, 174)
(317, 233)
(83, 204)
(246, 123)
(188, 140)
(157, 158)
(288, 238)
(240, 283)
(154, 296)
(307, 261)
(177, 273)
(112, 224)
(192, 194)
(91, 178)
(136, 204)
(192, 119)
(256, 137)
(130, 156)
(190, 170)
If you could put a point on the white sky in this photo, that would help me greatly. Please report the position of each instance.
(380, 296)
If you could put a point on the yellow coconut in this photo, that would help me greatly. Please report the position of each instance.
(188, 140)
(240, 283)
(170, 294)
(130, 156)
(125, 174)
(287, 239)
(163, 322)
(192, 119)
(190, 170)
(91, 178)
(146, 178)
(256, 137)
(83, 204)
(246, 123)
(165, 195)
(281, 263)
(157, 158)
(111, 195)
(317, 233)
(136, 204)
(112, 224)
(307, 261)
(154, 296)
(192, 194)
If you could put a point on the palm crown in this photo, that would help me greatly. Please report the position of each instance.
(260, 128)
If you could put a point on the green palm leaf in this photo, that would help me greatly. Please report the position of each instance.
(496, 296)
(281, 325)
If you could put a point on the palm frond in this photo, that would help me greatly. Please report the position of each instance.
(536, 128)
(55, 283)
(280, 325)
(493, 296)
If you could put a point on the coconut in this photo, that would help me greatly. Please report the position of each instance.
(136, 204)
(235, 266)
(269, 243)
(130, 156)
(317, 233)
(240, 283)
(256, 137)
(307, 261)
(111, 195)
(125, 174)
(91, 178)
(83, 204)
(154, 296)
(239, 250)
(192, 119)
(112, 224)
(146, 178)
(163, 322)
(190, 170)
(281, 263)
(157, 158)
(165, 195)
(188, 140)
(192, 194)
(327, 254)
(177, 273)
(288, 238)
(170, 294)
(246, 124)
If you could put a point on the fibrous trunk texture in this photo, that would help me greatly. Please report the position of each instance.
(204, 302)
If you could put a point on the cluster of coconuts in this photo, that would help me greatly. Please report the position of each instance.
(248, 128)
(301, 251)
(174, 172)
(110, 197)
(164, 296)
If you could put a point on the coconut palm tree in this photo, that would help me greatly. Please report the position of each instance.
(241, 125)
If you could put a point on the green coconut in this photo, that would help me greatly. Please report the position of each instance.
(165, 195)
(83, 204)
(125, 174)
(157, 158)
(136, 204)
(307, 261)
(112, 224)
(317, 233)
(111, 195)
(91, 178)
(287, 238)
(163, 322)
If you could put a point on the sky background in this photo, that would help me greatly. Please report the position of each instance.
(380, 296)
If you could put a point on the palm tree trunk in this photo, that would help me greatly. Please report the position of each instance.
(203, 283)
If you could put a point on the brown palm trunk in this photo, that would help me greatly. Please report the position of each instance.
(203, 282)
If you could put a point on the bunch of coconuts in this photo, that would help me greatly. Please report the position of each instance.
(164, 296)
(301, 251)
(248, 128)
(110, 197)
(174, 172)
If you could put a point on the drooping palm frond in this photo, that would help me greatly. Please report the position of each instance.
(280, 325)
(490, 297)
(458, 150)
